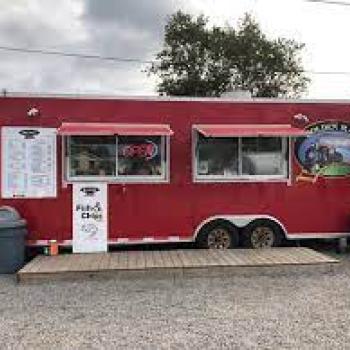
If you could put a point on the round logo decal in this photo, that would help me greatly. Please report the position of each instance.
(326, 151)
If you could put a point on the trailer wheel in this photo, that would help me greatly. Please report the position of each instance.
(218, 235)
(261, 234)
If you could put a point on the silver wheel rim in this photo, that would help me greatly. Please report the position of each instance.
(262, 237)
(219, 238)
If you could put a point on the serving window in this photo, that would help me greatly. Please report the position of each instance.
(264, 156)
(91, 156)
(117, 158)
(240, 158)
(217, 157)
(141, 156)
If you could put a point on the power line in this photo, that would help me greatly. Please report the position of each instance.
(325, 72)
(330, 2)
(128, 59)
(71, 54)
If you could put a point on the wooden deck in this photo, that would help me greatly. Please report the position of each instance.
(127, 263)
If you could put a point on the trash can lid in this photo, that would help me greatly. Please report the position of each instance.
(9, 217)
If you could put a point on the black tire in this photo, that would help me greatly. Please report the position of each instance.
(218, 235)
(262, 233)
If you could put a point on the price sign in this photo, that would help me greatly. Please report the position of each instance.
(28, 162)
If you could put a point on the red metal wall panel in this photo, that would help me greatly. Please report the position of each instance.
(138, 210)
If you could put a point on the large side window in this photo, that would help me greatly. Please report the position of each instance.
(91, 156)
(117, 158)
(239, 158)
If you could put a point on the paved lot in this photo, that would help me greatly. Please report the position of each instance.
(306, 310)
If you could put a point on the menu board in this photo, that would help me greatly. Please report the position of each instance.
(28, 162)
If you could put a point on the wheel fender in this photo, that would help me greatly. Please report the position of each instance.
(239, 221)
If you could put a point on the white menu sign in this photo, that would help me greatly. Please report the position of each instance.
(90, 216)
(28, 162)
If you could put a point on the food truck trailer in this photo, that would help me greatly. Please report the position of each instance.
(91, 172)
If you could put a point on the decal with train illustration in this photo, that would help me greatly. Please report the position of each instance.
(325, 151)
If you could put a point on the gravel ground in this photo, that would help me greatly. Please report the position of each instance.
(303, 310)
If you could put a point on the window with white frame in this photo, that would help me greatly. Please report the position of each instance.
(117, 158)
(235, 158)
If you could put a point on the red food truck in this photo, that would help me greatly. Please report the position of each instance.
(219, 172)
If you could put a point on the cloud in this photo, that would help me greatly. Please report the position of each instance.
(38, 24)
(104, 27)
(134, 28)
(142, 14)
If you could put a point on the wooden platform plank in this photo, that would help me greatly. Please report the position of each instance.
(103, 261)
(177, 262)
(61, 263)
(295, 257)
(33, 265)
(140, 260)
(238, 258)
(211, 258)
(289, 257)
(109, 261)
(299, 256)
(281, 257)
(199, 257)
(148, 259)
(255, 258)
(123, 260)
(48, 264)
(157, 259)
(172, 259)
(312, 256)
(167, 259)
(245, 257)
(85, 261)
(132, 263)
(205, 258)
(90, 262)
(182, 258)
(194, 257)
(219, 258)
(114, 261)
(77, 262)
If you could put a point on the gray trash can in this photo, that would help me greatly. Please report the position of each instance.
(12, 240)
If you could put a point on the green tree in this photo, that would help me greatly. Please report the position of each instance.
(198, 60)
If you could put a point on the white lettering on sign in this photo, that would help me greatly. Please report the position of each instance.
(90, 217)
(28, 162)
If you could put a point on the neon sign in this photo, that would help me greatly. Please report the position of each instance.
(147, 150)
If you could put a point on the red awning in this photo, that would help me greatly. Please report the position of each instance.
(254, 130)
(114, 129)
